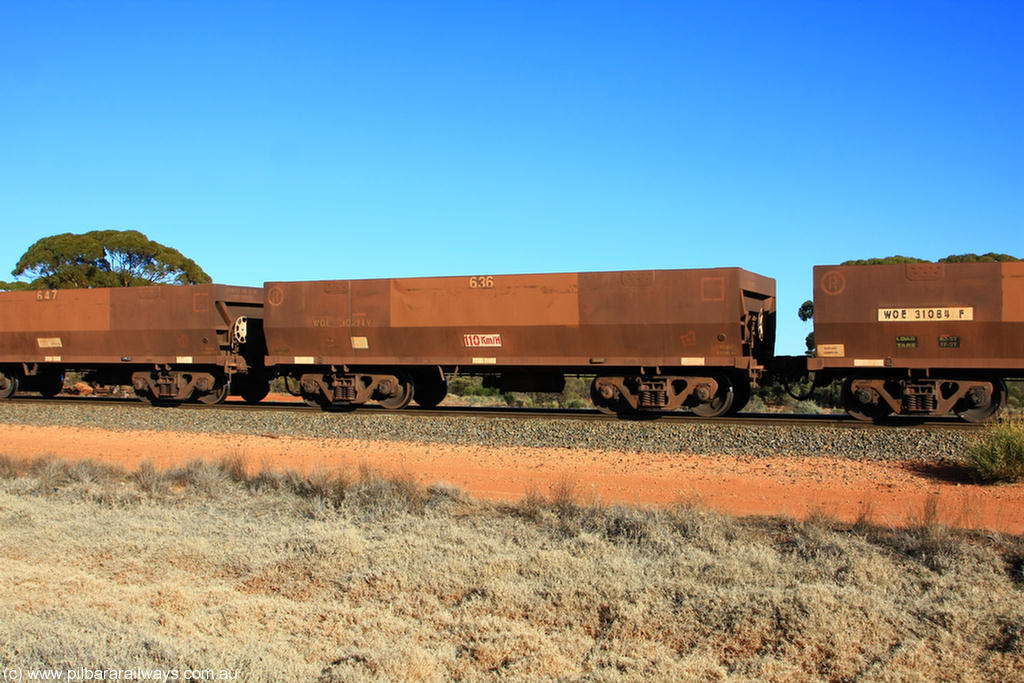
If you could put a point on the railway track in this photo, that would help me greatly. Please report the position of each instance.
(483, 412)
(511, 429)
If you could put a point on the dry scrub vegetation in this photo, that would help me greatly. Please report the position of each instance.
(998, 453)
(351, 577)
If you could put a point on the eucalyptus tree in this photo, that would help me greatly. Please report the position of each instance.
(103, 258)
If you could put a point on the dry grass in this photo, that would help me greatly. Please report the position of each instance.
(352, 576)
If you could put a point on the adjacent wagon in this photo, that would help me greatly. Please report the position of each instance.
(171, 343)
(920, 338)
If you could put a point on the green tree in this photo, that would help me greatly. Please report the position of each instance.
(103, 258)
(975, 258)
(952, 258)
(883, 261)
(806, 312)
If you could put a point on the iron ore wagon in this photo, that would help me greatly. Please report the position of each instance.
(170, 343)
(920, 338)
(653, 340)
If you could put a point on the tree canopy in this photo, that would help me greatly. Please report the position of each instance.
(952, 258)
(103, 258)
(975, 258)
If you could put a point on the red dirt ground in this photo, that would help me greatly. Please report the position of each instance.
(883, 492)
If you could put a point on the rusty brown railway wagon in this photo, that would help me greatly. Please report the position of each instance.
(171, 343)
(655, 340)
(920, 338)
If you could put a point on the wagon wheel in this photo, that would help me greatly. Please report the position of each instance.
(254, 392)
(612, 406)
(980, 410)
(218, 395)
(401, 394)
(315, 400)
(860, 410)
(429, 390)
(51, 385)
(720, 403)
(8, 385)
(740, 395)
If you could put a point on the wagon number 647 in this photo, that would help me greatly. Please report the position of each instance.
(481, 282)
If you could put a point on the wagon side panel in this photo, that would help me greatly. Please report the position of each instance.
(630, 318)
(54, 325)
(929, 315)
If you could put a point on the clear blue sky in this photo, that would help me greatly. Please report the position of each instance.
(306, 140)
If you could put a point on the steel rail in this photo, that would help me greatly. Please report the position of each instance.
(484, 412)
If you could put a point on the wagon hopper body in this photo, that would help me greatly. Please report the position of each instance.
(655, 340)
(171, 343)
(922, 338)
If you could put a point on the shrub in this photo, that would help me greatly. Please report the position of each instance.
(998, 454)
(148, 479)
(470, 386)
(807, 408)
(564, 494)
(10, 467)
(1015, 398)
(200, 476)
(235, 468)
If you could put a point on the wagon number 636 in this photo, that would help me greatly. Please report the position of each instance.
(481, 282)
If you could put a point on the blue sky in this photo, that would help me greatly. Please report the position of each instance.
(317, 140)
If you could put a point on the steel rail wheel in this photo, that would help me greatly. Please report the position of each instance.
(608, 406)
(720, 403)
(218, 395)
(8, 385)
(315, 401)
(859, 404)
(429, 390)
(49, 385)
(400, 396)
(741, 392)
(254, 392)
(980, 409)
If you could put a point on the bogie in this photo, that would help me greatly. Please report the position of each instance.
(702, 395)
(877, 397)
